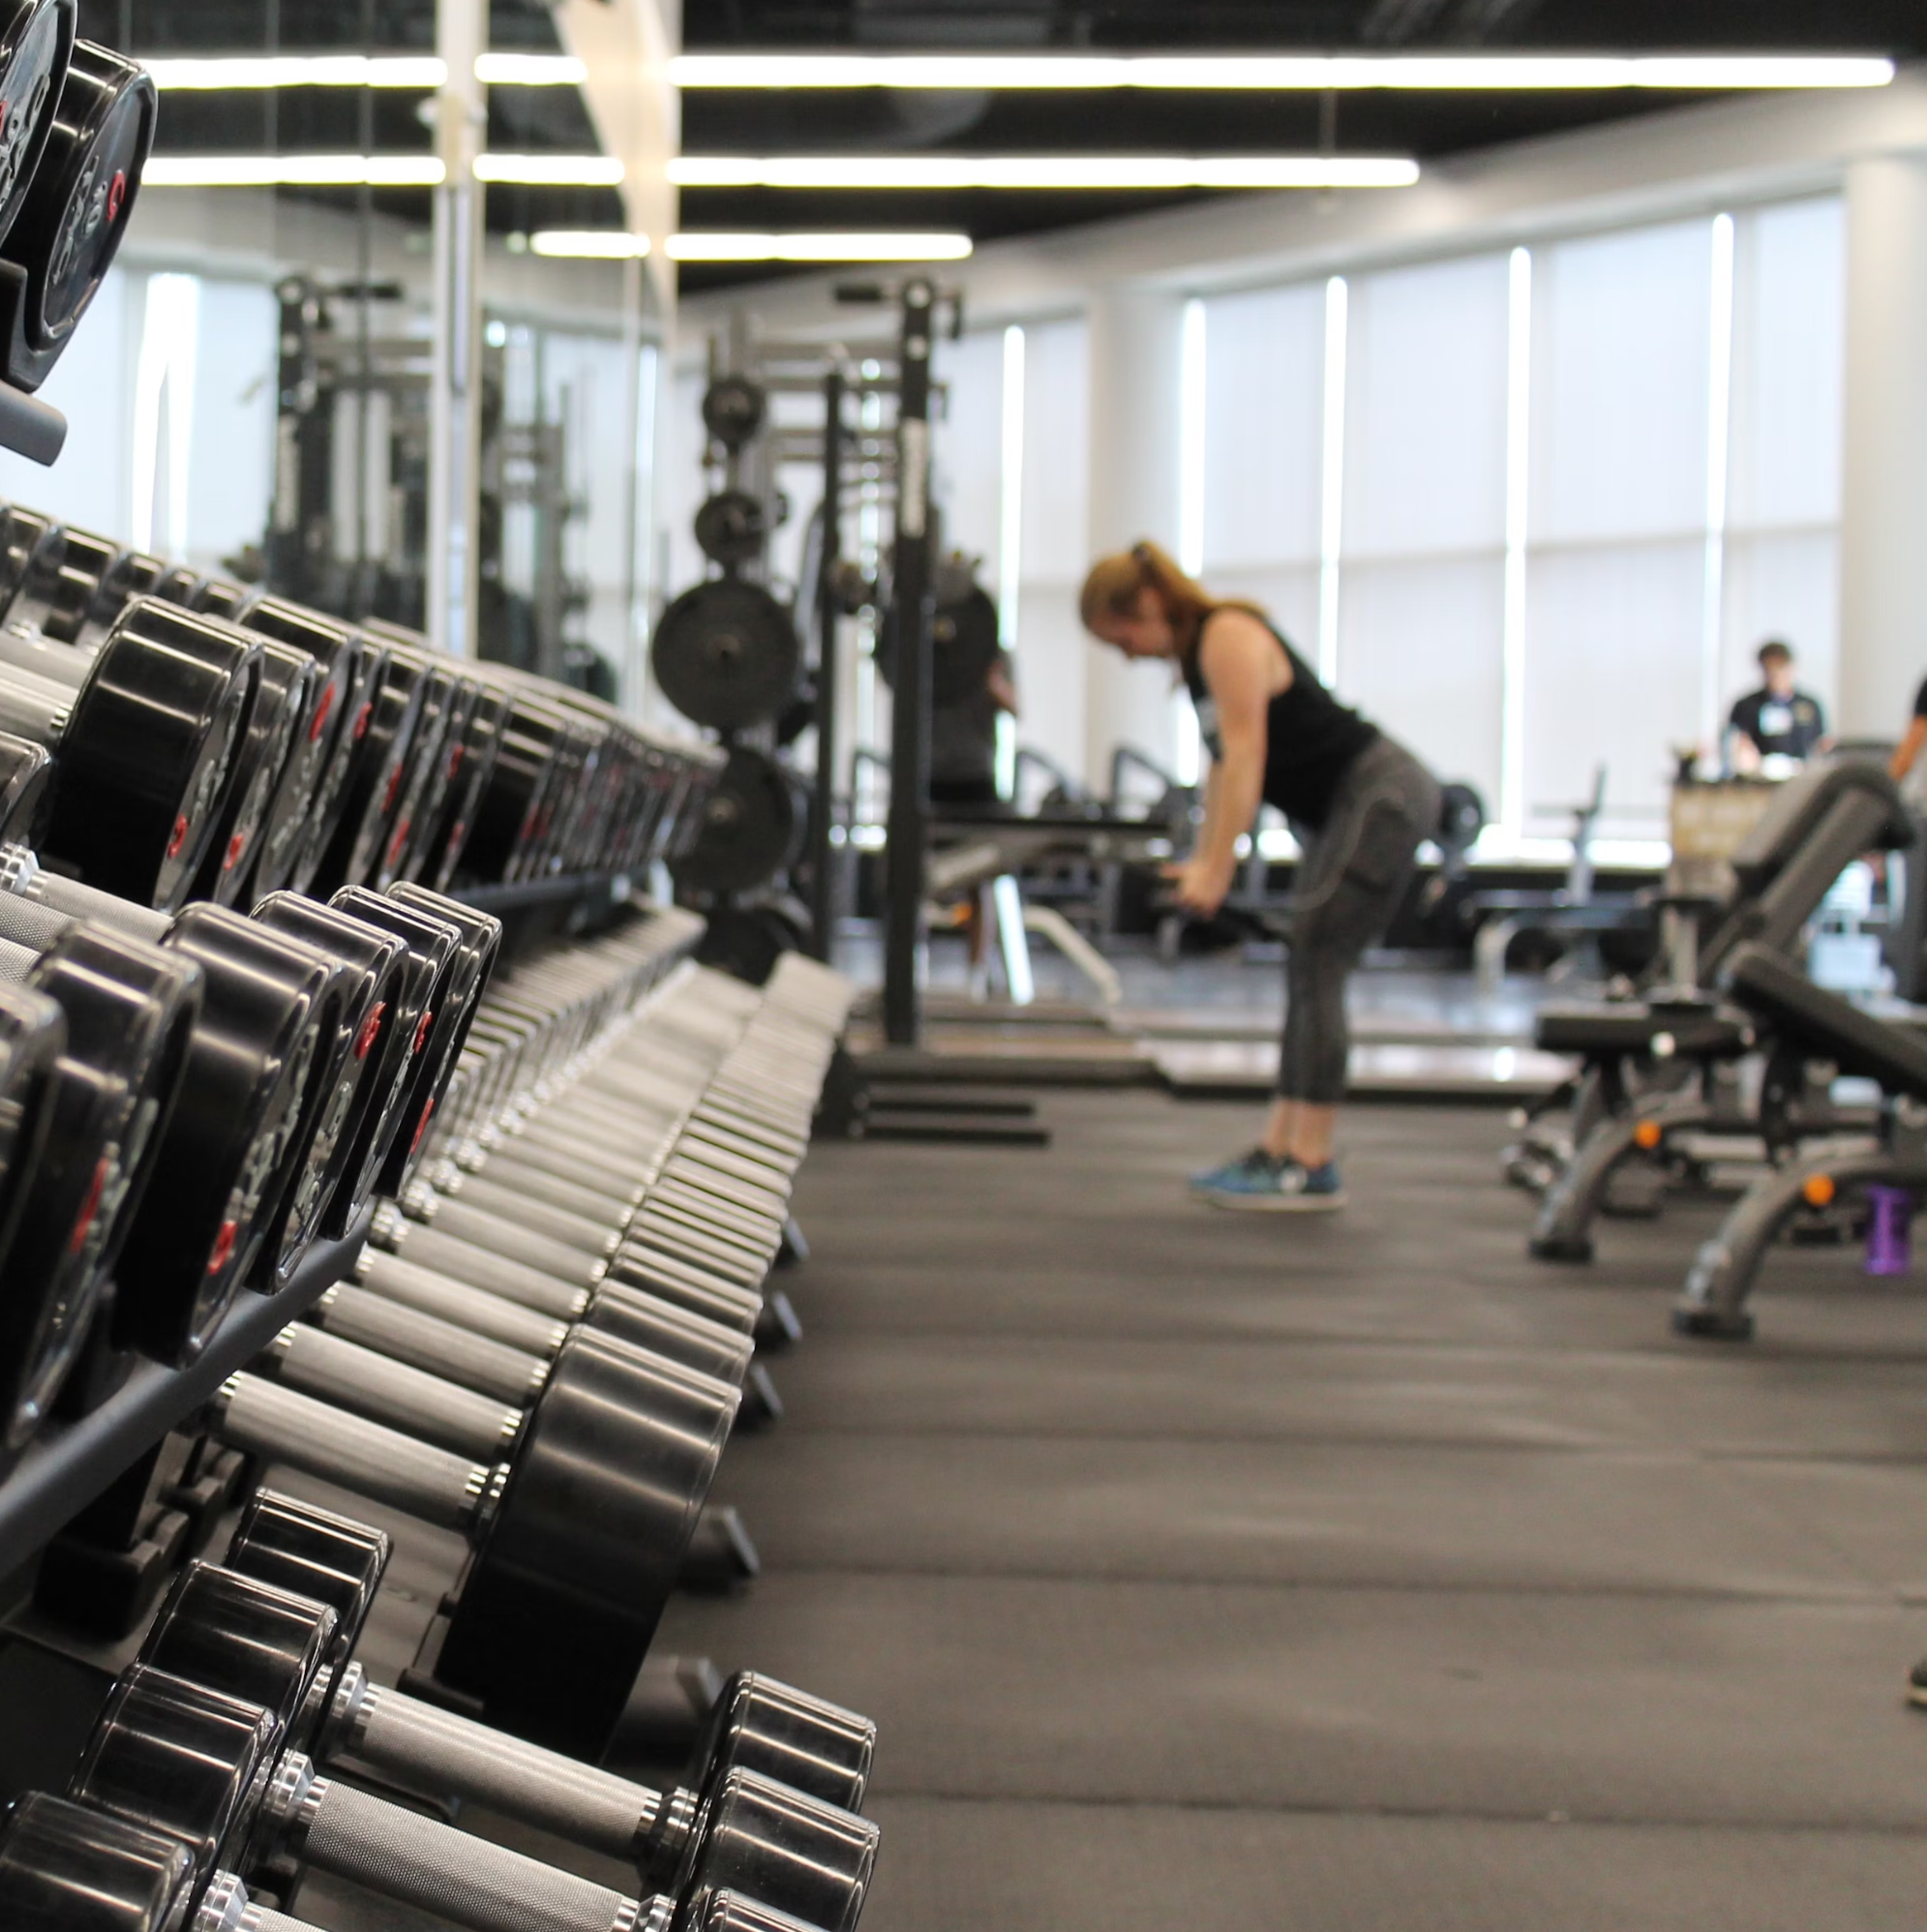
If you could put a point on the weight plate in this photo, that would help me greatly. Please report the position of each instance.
(26, 790)
(446, 700)
(727, 655)
(32, 551)
(427, 949)
(172, 1755)
(963, 650)
(732, 409)
(605, 1553)
(511, 814)
(266, 1004)
(283, 702)
(51, 1290)
(309, 1551)
(130, 1008)
(750, 826)
(373, 970)
(744, 942)
(251, 1640)
(147, 752)
(76, 212)
(35, 47)
(285, 840)
(374, 785)
(456, 1004)
(471, 764)
(730, 527)
(65, 1867)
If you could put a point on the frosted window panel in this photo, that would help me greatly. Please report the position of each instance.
(681, 487)
(968, 446)
(231, 475)
(1051, 662)
(1264, 427)
(1785, 586)
(1613, 640)
(1789, 300)
(93, 387)
(1287, 596)
(1057, 451)
(1621, 349)
(585, 378)
(1426, 410)
(1421, 647)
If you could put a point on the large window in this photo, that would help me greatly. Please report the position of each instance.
(1535, 511)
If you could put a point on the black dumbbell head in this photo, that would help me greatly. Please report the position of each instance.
(372, 971)
(171, 1756)
(76, 209)
(67, 1867)
(147, 749)
(36, 47)
(257, 1642)
(26, 790)
(309, 1551)
(267, 1005)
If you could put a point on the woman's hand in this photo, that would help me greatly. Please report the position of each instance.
(1201, 883)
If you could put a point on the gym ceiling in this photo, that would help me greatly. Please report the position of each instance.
(1426, 126)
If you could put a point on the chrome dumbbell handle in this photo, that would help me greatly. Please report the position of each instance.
(443, 1346)
(226, 1907)
(281, 1426)
(349, 1376)
(454, 1301)
(416, 1861)
(435, 1750)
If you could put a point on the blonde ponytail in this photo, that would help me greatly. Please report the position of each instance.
(1114, 584)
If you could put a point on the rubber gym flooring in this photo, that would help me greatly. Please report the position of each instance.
(1339, 1572)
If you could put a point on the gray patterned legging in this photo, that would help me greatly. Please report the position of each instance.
(1350, 882)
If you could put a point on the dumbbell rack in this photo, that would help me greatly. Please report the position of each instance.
(69, 1466)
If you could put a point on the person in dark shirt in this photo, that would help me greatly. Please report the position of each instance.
(1358, 800)
(963, 740)
(1779, 720)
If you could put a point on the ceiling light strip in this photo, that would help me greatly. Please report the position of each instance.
(374, 170)
(551, 170)
(293, 170)
(421, 72)
(1281, 73)
(588, 244)
(818, 247)
(1045, 172)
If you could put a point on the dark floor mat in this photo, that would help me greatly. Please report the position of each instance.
(1077, 1868)
(1620, 1708)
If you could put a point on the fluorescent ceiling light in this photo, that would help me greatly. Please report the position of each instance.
(1043, 172)
(551, 170)
(1280, 72)
(818, 247)
(298, 70)
(531, 70)
(419, 72)
(588, 244)
(293, 170)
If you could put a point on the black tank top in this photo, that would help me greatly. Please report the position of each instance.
(1311, 739)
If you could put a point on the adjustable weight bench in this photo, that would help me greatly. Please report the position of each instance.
(1817, 1025)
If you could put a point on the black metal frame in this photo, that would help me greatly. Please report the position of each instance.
(68, 1465)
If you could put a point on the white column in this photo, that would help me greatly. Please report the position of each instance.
(1884, 485)
(1136, 362)
(455, 398)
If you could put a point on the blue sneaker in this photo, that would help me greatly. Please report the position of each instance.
(1270, 1184)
